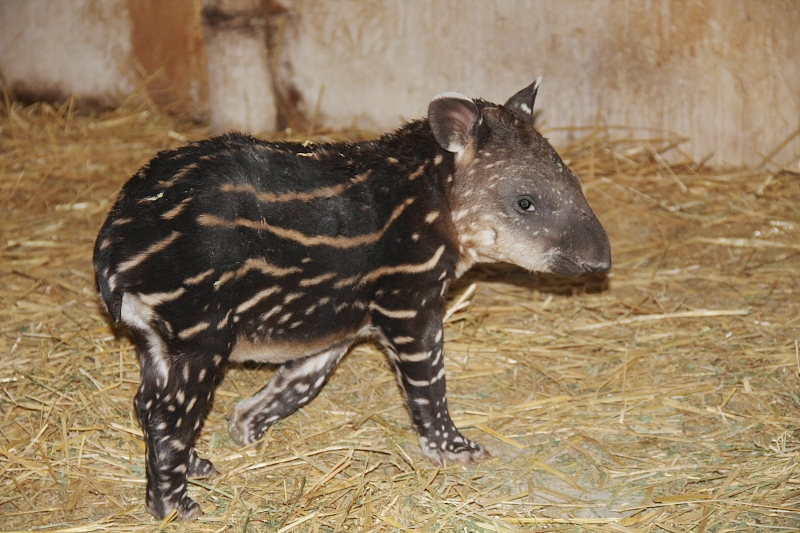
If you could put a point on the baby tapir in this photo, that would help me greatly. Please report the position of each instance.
(234, 249)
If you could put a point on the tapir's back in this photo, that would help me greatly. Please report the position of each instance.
(276, 231)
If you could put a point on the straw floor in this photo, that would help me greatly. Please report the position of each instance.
(663, 398)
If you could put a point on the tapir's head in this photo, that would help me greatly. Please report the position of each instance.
(512, 198)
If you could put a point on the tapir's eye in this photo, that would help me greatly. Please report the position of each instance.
(525, 204)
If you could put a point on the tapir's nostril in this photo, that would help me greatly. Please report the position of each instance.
(592, 265)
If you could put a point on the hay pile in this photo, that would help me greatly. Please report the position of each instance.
(663, 398)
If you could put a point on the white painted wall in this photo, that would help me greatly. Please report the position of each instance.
(240, 84)
(723, 72)
(66, 47)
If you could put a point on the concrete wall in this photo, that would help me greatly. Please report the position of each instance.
(723, 72)
(56, 49)
(241, 93)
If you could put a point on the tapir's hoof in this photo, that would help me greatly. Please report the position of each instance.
(459, 450)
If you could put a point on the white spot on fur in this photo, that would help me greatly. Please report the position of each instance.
(393, 313)
(414, 357)
(194, 330)
(485, 237)
(138, 316)
(224, 322)
(292, 297)
(154, 299)
(261, 295)
(461, 213)
(417, 382)
(150, 250)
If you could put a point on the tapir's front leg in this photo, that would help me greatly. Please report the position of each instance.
(416, 347)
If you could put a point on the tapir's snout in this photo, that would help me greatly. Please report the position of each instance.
(586, 248)
(597, 257)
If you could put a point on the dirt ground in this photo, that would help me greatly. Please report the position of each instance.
(660, 398)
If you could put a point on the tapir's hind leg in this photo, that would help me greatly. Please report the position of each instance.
(172, 402)
(295, 384)
(200, 468)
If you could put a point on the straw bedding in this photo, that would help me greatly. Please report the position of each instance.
(662, 398)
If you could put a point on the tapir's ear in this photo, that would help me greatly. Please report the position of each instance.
(521, 104)
(452, 117)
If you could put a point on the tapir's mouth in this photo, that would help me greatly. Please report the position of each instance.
(565, 266)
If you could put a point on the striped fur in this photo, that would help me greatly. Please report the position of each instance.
(235, 249)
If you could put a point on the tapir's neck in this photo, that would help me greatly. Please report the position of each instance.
(413, 146)
(440, 172)
(413, 142)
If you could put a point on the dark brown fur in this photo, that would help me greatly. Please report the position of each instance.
(234, 249)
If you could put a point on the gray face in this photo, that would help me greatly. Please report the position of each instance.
(513, 199)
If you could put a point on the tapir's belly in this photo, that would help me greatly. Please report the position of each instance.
(278, 351)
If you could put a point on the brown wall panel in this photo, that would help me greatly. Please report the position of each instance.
(167, 43)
